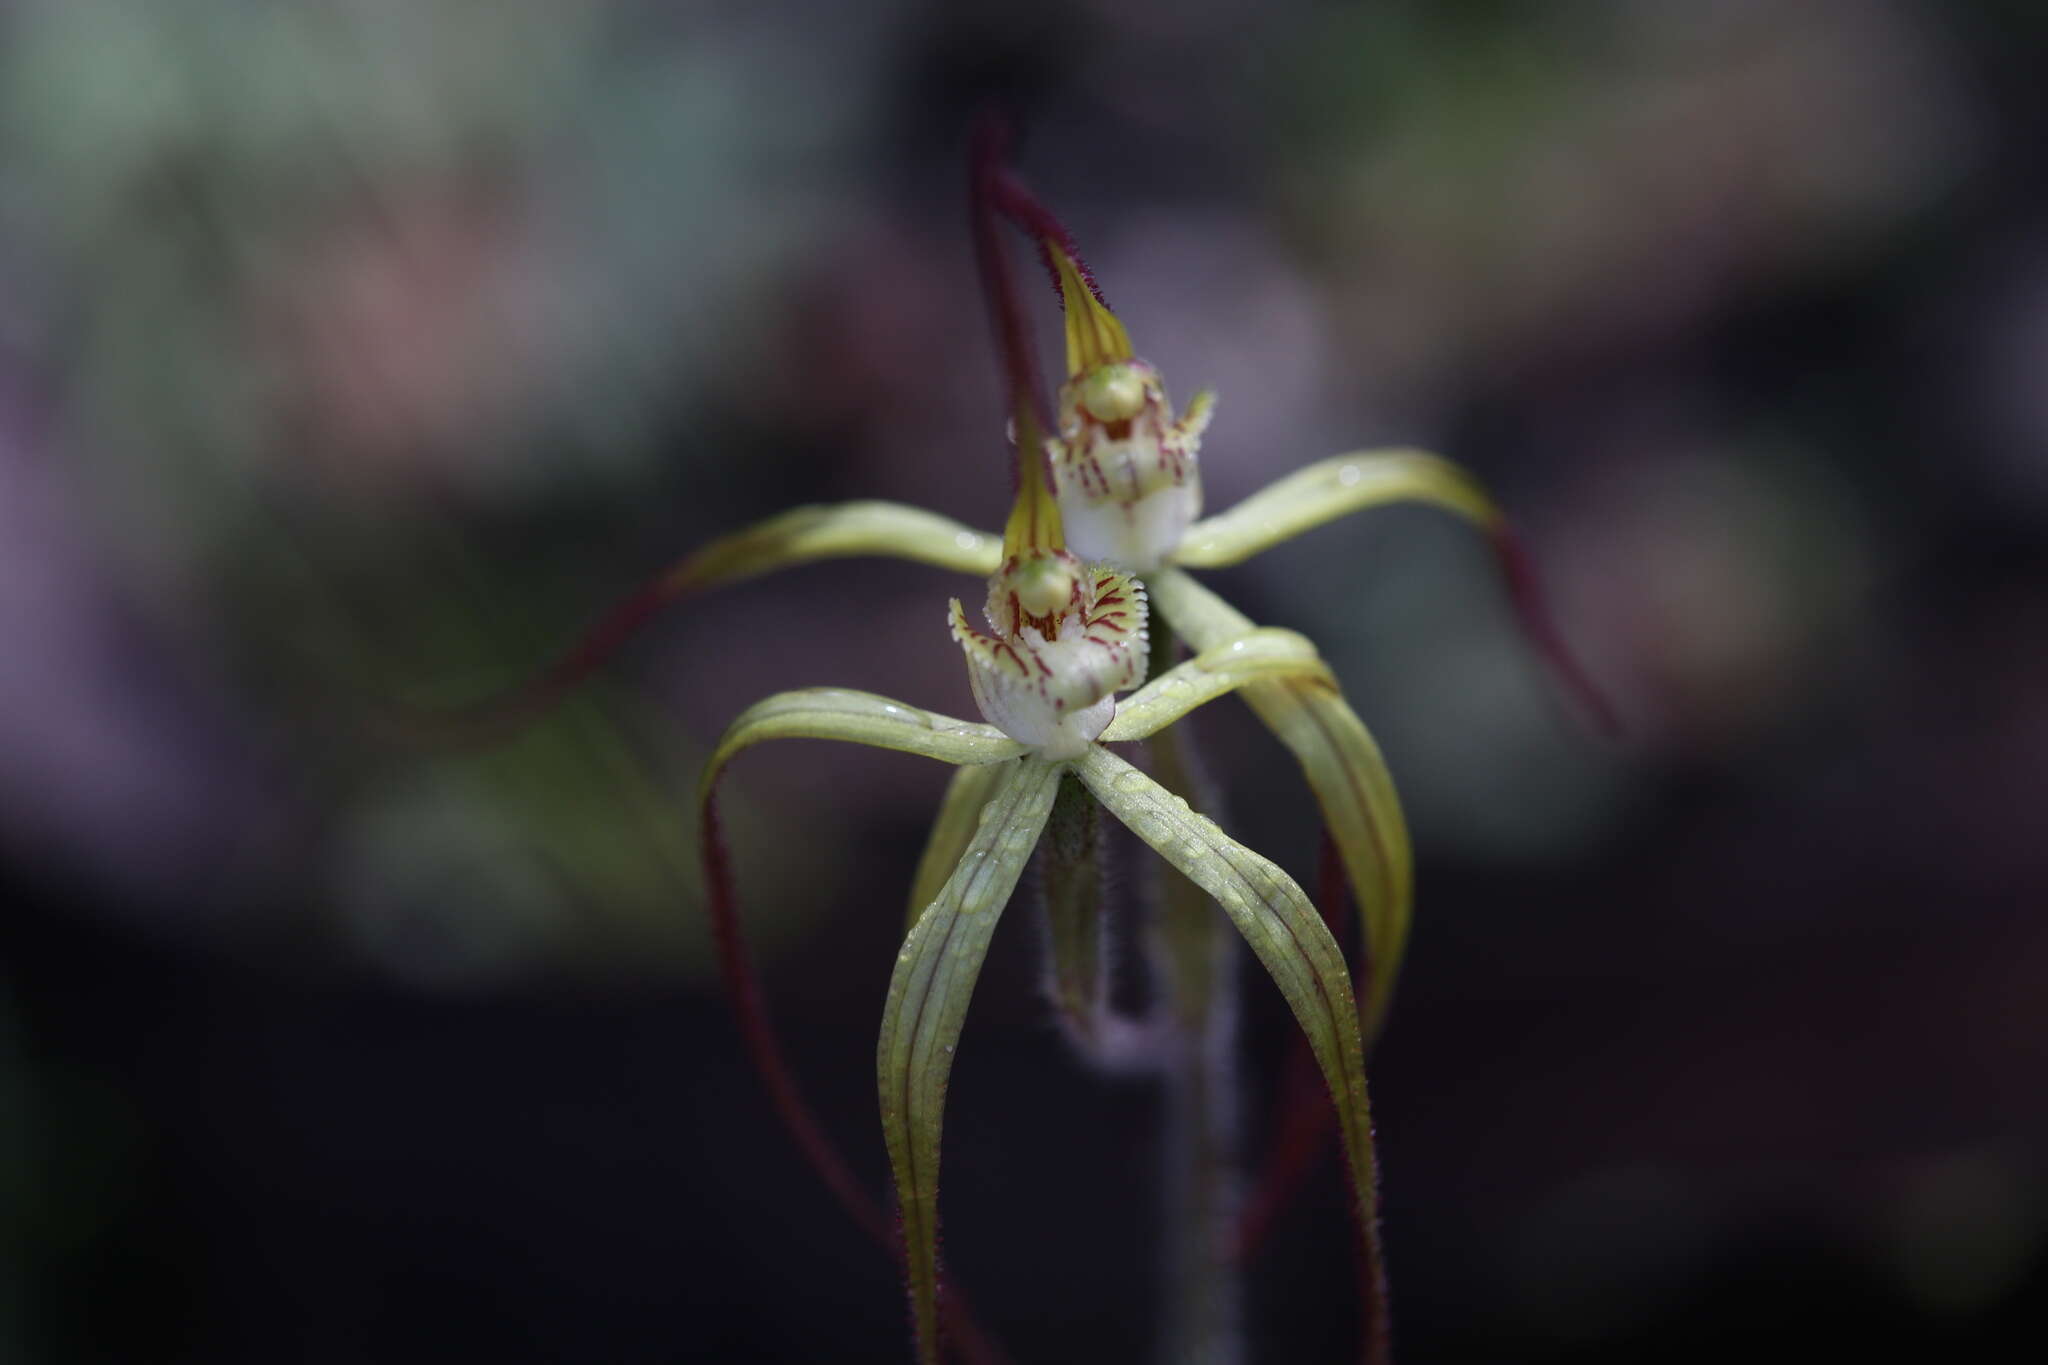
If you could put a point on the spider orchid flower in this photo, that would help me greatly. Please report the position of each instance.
(1065, 639)
(1127, 486)
(1066, 636)
(1106, 493)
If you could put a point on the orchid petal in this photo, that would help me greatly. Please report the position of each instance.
(959, 816)
(928, 995)
(836, 531)
(1344, 768)
(1289, 939)
(1330, 489)
(859, 718)
(1345, 484)
(1263, 654)
(798, 536)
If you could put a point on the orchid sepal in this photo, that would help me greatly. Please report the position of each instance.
(1265, 653)
(1289, 938)
(928, 995)
(857, 718)
(801, 535)
(967, 795)
(1345, 770)
(1329, 489)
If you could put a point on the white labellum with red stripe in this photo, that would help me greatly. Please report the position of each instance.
(1048, 674)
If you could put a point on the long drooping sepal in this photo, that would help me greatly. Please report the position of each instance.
(928, 995)
(1344, 768)
(967, 794)
(859, 718)
(1330, 489)
(1263, 654)
(1344, 484)
(1301, 1124)
(1291, 942)
(798, 536)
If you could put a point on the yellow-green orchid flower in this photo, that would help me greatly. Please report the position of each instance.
(1065, 639)
(1128, 490)
(1105, 494)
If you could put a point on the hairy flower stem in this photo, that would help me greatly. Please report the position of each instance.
(1195, 953)
(1070, 882)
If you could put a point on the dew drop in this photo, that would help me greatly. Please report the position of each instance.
(1130, 783)
(1350, 474)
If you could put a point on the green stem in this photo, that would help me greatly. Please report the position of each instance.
(1196, 952)
(1070, 882)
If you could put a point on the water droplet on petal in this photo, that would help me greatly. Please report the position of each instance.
(1349, 475)
(1130, 783)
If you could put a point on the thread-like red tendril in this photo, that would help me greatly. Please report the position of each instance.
(1028, 407)
(1302, 1124)
(750, 1010)
(1532, 609)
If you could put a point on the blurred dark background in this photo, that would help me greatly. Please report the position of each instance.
(359, 353)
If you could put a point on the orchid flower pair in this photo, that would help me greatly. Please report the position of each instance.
(1103, 530)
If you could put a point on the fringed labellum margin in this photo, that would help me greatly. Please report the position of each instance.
(1048, 675)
